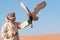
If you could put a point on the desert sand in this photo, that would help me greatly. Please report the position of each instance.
(40, 37)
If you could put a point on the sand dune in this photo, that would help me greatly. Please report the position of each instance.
(40, 37)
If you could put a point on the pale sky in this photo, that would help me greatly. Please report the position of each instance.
(49, 17)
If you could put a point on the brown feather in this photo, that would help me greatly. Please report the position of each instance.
(39, 7)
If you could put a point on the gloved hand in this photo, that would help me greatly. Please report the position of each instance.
(30, 20)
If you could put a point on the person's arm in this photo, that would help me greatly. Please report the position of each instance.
(25, 24)
(4, 32)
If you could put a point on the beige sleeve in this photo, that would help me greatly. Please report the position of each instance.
(4, 31)
(23, 24)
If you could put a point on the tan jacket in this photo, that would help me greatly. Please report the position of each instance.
(10, 31)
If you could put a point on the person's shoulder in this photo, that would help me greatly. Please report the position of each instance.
(5, 24)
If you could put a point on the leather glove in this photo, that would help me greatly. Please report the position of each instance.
(30, 20)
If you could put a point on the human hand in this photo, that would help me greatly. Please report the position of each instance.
(6, 36)
(13, 34)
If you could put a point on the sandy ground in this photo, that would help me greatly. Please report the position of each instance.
(40, 37)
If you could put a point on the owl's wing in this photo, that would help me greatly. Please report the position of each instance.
(24, 7)
(39, 7)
